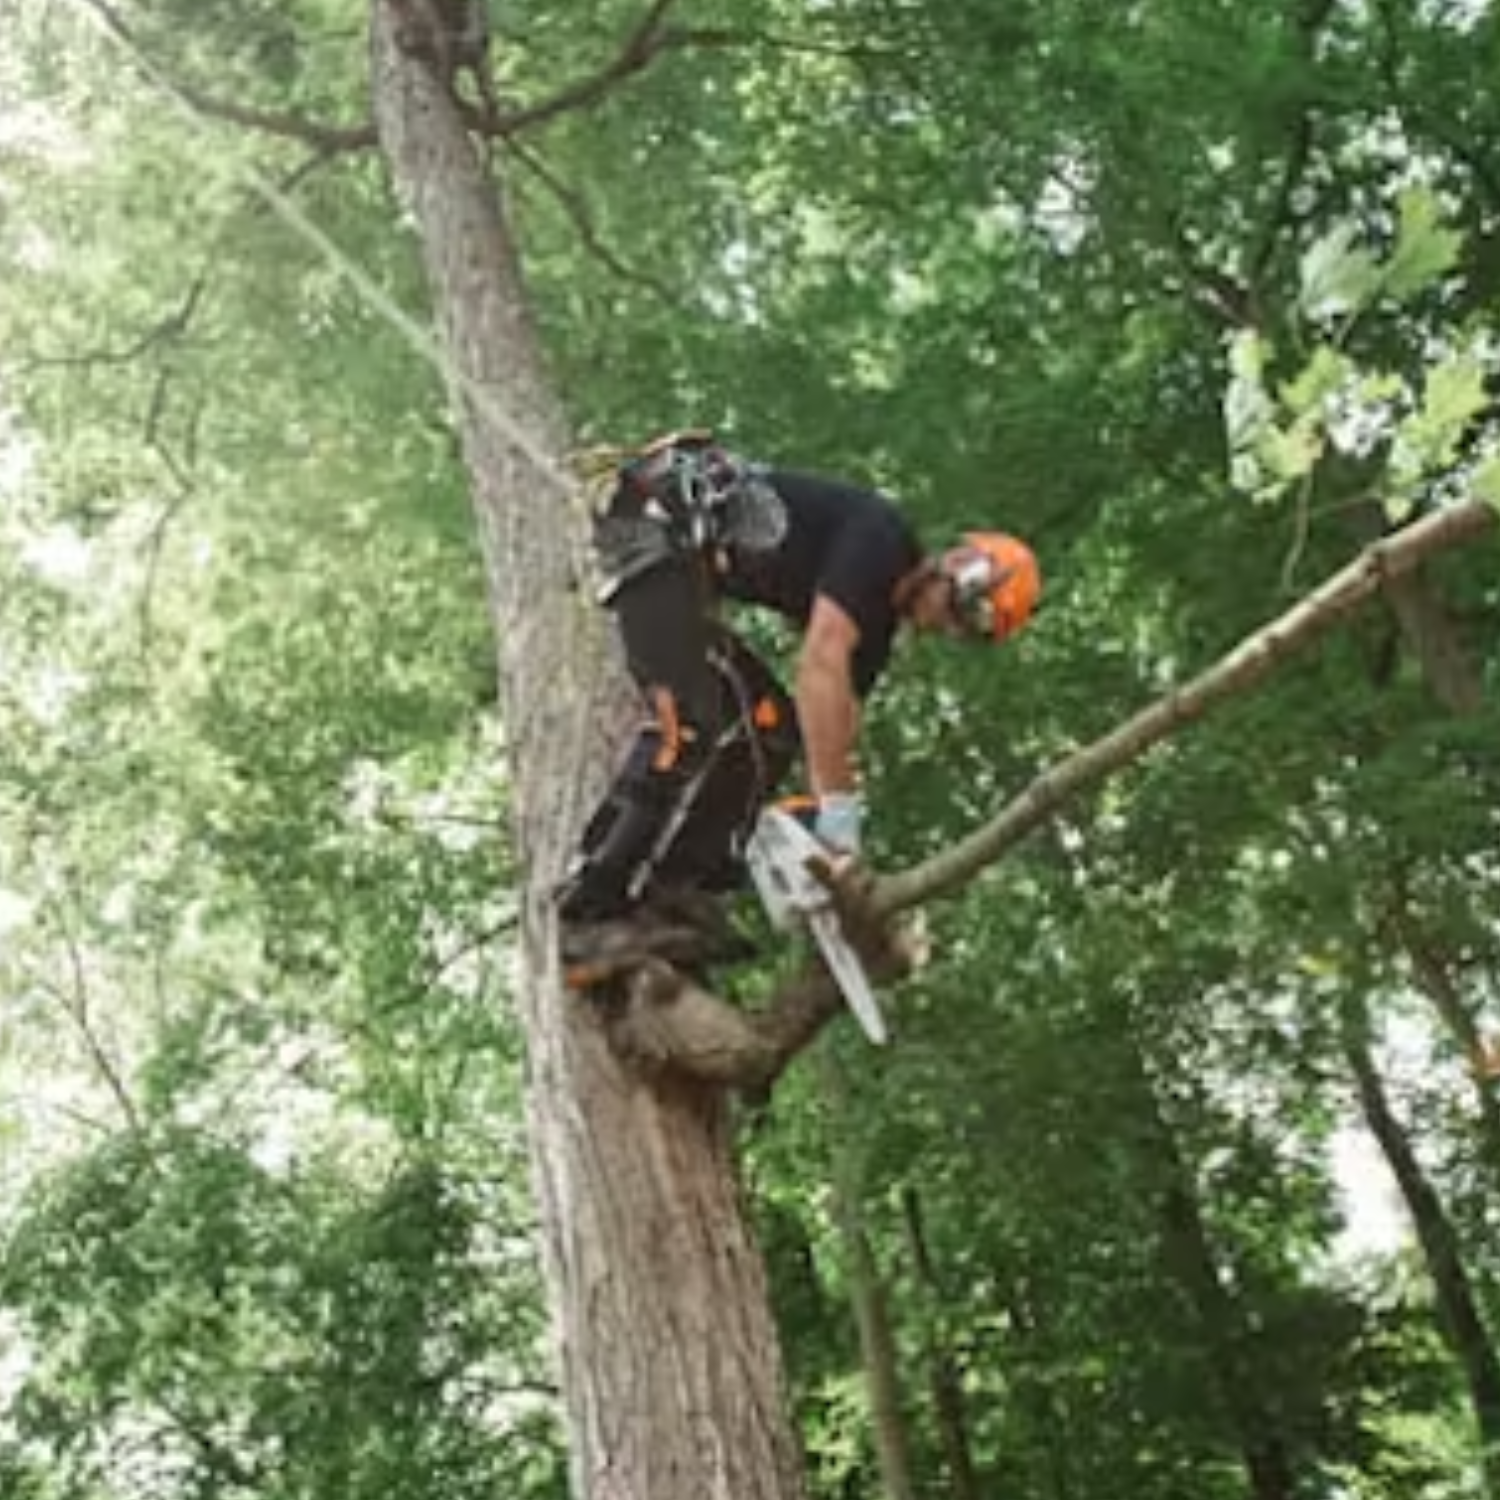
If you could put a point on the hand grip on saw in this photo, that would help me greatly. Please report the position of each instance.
(780, 855)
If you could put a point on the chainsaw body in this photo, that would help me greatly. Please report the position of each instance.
(780, 856)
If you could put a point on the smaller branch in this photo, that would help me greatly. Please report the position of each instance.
(1301, 531)
(1433, 124)
(1314, 18)
(299, 174)
(1293, 169)
(165, 330)
(650, 38)
(75, 1005)
(156, 541)
(82, 1117)
(573, 206)
(222, 1462)
(174, 325)
(433, 974)
(326, 138)
(649, 41)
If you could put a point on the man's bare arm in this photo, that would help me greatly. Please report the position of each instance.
(827, 707)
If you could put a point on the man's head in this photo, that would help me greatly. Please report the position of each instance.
(983, 589)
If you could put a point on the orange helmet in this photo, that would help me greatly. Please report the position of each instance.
(994, 583)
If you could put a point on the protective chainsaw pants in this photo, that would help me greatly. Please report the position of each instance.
(719, 736)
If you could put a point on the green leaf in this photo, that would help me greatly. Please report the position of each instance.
(1247, 407)
(1326, 371)
(1425, 250)
(1453, 394)
(1486, 482)
(1289, 453)
(1336, 275)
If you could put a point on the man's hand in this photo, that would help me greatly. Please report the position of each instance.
(839, 820)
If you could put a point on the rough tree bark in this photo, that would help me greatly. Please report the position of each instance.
(670, 1366)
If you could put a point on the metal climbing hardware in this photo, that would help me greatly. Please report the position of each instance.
(705, 495)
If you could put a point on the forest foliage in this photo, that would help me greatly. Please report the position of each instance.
(1198, 297)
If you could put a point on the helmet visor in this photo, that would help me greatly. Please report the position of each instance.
(974, 580)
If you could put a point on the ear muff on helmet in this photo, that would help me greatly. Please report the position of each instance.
(995, 584)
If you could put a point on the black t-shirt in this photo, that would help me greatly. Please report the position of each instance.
(848, 543)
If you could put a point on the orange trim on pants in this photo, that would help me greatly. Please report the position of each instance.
(669, 723)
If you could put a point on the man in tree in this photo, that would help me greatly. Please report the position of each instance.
(686, 524)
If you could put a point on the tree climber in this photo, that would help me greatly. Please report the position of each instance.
(686, 524)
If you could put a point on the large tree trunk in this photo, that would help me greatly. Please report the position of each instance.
(670, 1365)
(1458, 1307)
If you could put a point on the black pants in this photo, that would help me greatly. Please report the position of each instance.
(719, 737)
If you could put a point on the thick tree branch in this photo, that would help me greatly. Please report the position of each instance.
(649, 41)
(1452, 671)
(669, 1022)
(649, 38)
(1252, 660)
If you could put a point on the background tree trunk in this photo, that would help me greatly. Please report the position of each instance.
(1458, 1306)
(1224, 1328)
(1185, 1236)
(1451, 670)
(670, 1365)
(1435, 975)
(867, 1291)
(944, 1370)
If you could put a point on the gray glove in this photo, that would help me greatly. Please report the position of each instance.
(839, 821)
